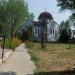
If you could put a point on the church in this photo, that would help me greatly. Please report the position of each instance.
(52, 32)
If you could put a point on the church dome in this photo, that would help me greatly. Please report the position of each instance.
(45, 15)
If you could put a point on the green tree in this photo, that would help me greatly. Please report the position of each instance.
(12, 14)
(66, 4)
(31, 16)
(64, 31)
(3, 24)
(17, 12)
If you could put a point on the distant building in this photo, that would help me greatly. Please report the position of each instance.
(52, 28)
(36, 30)
(72, 28)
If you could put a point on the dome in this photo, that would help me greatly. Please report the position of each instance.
(45, 15)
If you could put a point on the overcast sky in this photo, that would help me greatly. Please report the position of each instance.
(38, 6)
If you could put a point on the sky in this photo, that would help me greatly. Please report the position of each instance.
(38, 6)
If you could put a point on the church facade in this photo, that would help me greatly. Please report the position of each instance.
(52, 32)
(52, 29)
(72, 28)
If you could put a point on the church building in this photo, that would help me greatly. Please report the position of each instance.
(52, 32)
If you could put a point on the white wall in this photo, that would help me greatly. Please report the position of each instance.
(52, 31)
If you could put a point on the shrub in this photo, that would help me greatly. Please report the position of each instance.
(17, 41)
(7, 44)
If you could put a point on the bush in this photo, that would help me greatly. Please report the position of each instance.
(64, 37)
(15, 42)
(7, 44)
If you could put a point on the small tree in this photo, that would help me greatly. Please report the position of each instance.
(64, 26)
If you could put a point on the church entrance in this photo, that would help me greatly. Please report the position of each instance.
(24, 35)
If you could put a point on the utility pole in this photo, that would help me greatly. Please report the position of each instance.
(3, 37)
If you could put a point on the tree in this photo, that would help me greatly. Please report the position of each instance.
(64, 31)
(17, 11)
(66, 4)
(12, 14)
(31, 16)
(64, 25)
(3, 23)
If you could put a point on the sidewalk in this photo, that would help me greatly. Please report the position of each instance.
(7, 53)
(18, 63)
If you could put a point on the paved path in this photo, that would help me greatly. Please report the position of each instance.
(5, 51)
(18, 63)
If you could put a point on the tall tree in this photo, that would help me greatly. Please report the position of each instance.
(12, 14)
(3, 23)
(17, 11)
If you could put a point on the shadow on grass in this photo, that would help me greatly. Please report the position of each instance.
(8, 73)
(69, 72)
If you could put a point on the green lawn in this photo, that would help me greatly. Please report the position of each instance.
(55, 58)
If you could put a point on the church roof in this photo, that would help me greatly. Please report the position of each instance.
(36, 24)
(45, 15)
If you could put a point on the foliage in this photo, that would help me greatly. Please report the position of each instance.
(64, 25)
(7, 44)
(66, 4)
(72, 17)
(17, 12)
(17, 41)
(64, 37)
(64, 31)
(31, 16)
(3, 24)
(12, 13)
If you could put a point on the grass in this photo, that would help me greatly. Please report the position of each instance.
(33, 57)
(32, 54)
(55, 58)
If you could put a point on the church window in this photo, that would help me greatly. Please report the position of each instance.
(36, 31)
(53, 32)
(50, 31)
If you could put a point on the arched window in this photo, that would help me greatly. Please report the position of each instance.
(35, 31)
(53, 32)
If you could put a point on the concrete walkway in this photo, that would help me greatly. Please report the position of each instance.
(18, 63)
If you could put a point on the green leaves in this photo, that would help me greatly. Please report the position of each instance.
(12, 13)
(66, 4)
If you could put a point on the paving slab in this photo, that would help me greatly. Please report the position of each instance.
(18, 63)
